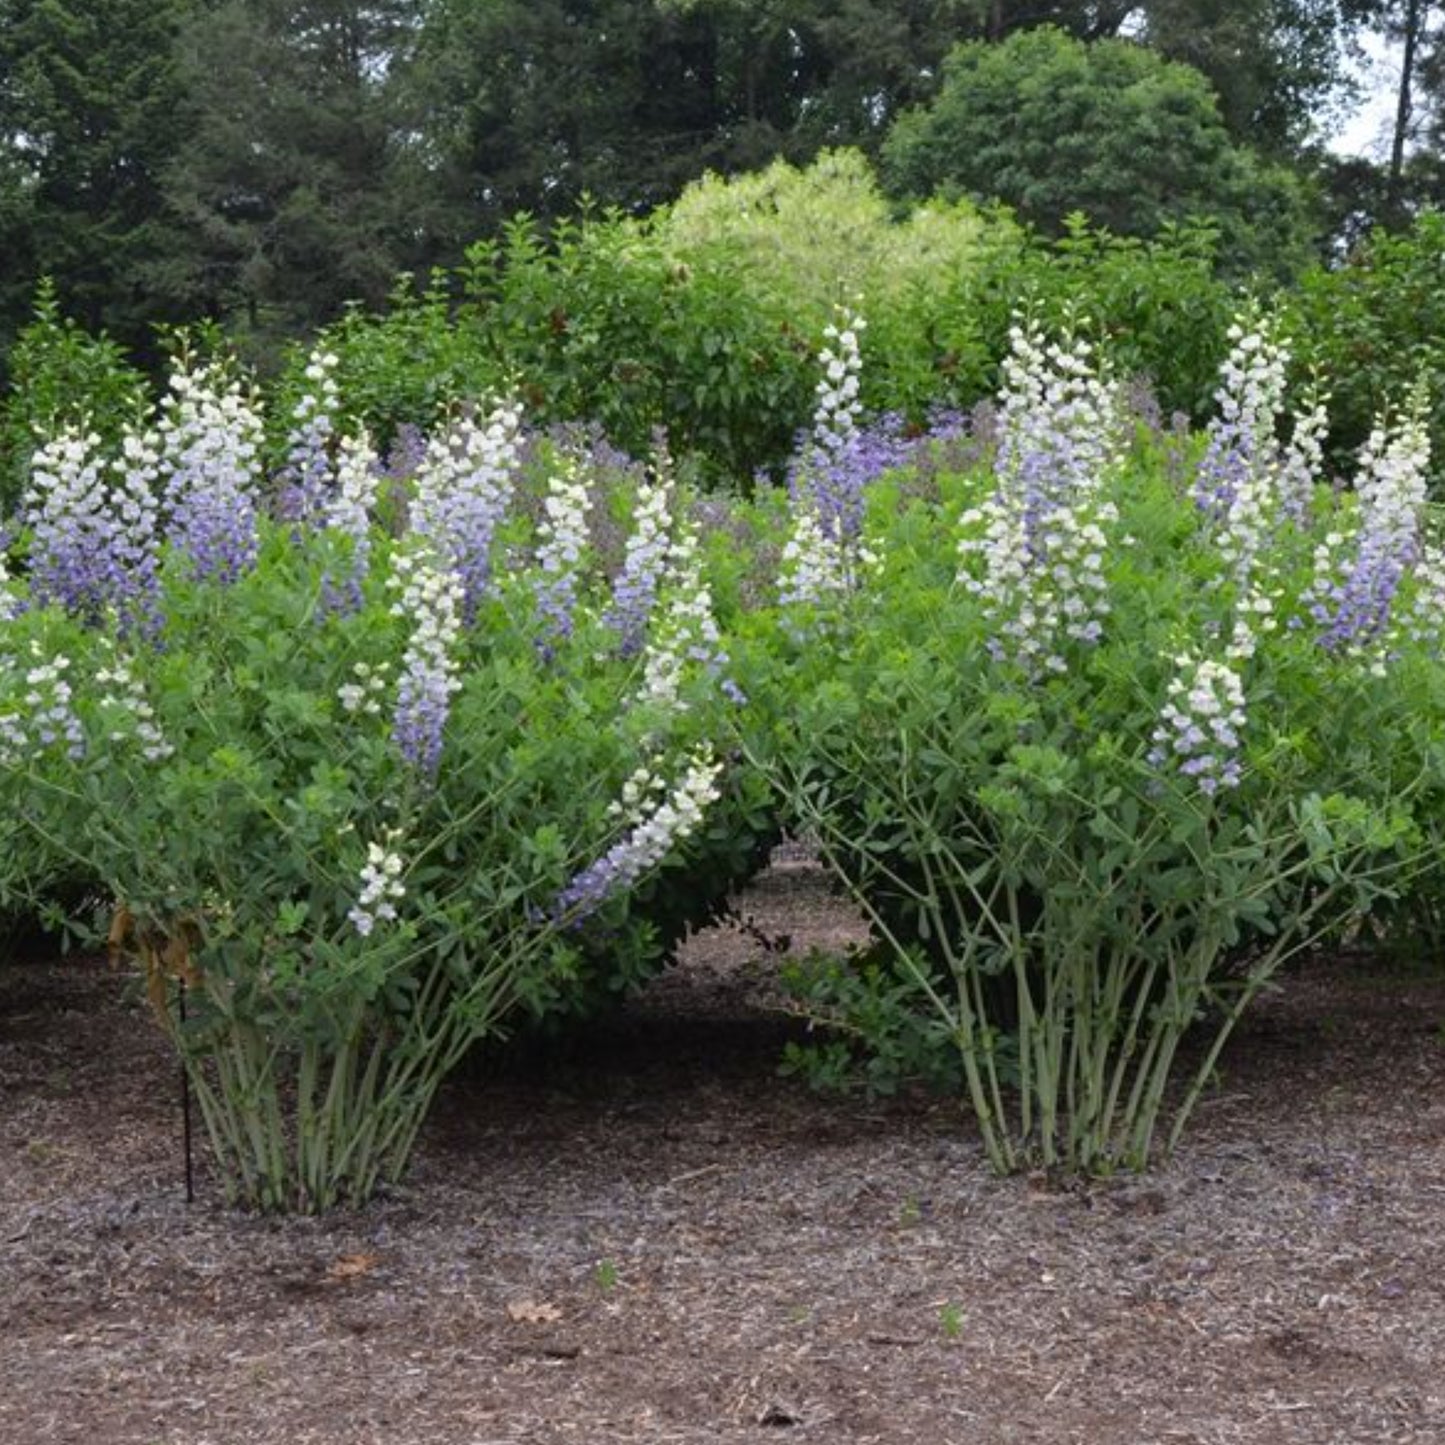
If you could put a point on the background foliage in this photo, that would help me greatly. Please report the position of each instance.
(266, 161)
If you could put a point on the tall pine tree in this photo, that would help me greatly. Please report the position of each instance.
(302, 183)
(91, 110)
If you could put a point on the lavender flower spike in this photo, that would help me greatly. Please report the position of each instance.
(93, 524)
(559, 551)
(306, 481)
(634, 595)
(1200, 725)
(661, 818)
(347, 513)
(211, 469)
(463, 487)
(1033, 552)
(1357, 577)
(37, 713)
(1244, 450)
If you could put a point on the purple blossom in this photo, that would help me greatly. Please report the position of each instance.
(1358, 575)
(306, 481)
(660, 819)
(634, 593)
(1200, 725)
(1034, 551)
(36, 709)
(347, 516)
(94, 545)
(406, 453)
(463, 489)
(835, 482)
(211, 465)
(560, 549)
(1243, 452)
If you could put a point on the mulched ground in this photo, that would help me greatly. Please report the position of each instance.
(654, 1238)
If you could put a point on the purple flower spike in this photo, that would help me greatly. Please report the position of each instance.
(211, 469)
(560, 548)
(1357, 575)
(94, 548)
(307, 479)
(660, 819)
(463, 489)
(634, 594)
(1034, 551)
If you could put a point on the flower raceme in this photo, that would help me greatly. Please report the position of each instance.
(41, 714)
(347, 514)
(381, 886)
(1358, 572)
(93, 524)
(1200, 724)
(306, 481)
(1250, 487)
(645, 562)
(1237, 474)
(835, 418)
(210, 469)
(685, 633)
(1060, 431)
(464, 484)
(824, 559)
(1034, 551)
(560, 548)
(660, 819)
(431, 601)
(126, 711)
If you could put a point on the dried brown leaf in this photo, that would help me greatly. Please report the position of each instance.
(352, 1266)
(533, 1312)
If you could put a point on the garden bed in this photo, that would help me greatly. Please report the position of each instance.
(648, 1236)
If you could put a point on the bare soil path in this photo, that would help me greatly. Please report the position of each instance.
(651, 1237)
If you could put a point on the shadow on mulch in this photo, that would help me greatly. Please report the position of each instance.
(646, 1235)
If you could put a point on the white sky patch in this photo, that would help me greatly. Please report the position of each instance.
(1367, 132)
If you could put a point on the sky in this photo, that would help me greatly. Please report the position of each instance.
(1367, 132)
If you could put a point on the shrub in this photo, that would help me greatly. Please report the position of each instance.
(1097, 759)
(1371, 326)
(360, 800)
(59, 374)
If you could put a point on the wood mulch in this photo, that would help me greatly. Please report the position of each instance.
(649, 1236)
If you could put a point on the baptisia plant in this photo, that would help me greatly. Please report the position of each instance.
(1087, 814)
(824, 558)
(348, 808)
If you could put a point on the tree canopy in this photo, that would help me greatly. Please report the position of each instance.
(1052, 125)
(266, 160)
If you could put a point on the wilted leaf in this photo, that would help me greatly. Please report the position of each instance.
(352, 1266)
(533, 1312)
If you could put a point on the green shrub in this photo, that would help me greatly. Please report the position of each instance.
(360, 802)
(59, 373)
(1097, 759)
(1371, 326)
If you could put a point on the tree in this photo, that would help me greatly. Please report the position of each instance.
(91, 110)
(1278, 67)
(1051, 125)
(534, 103)
(302, 183)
